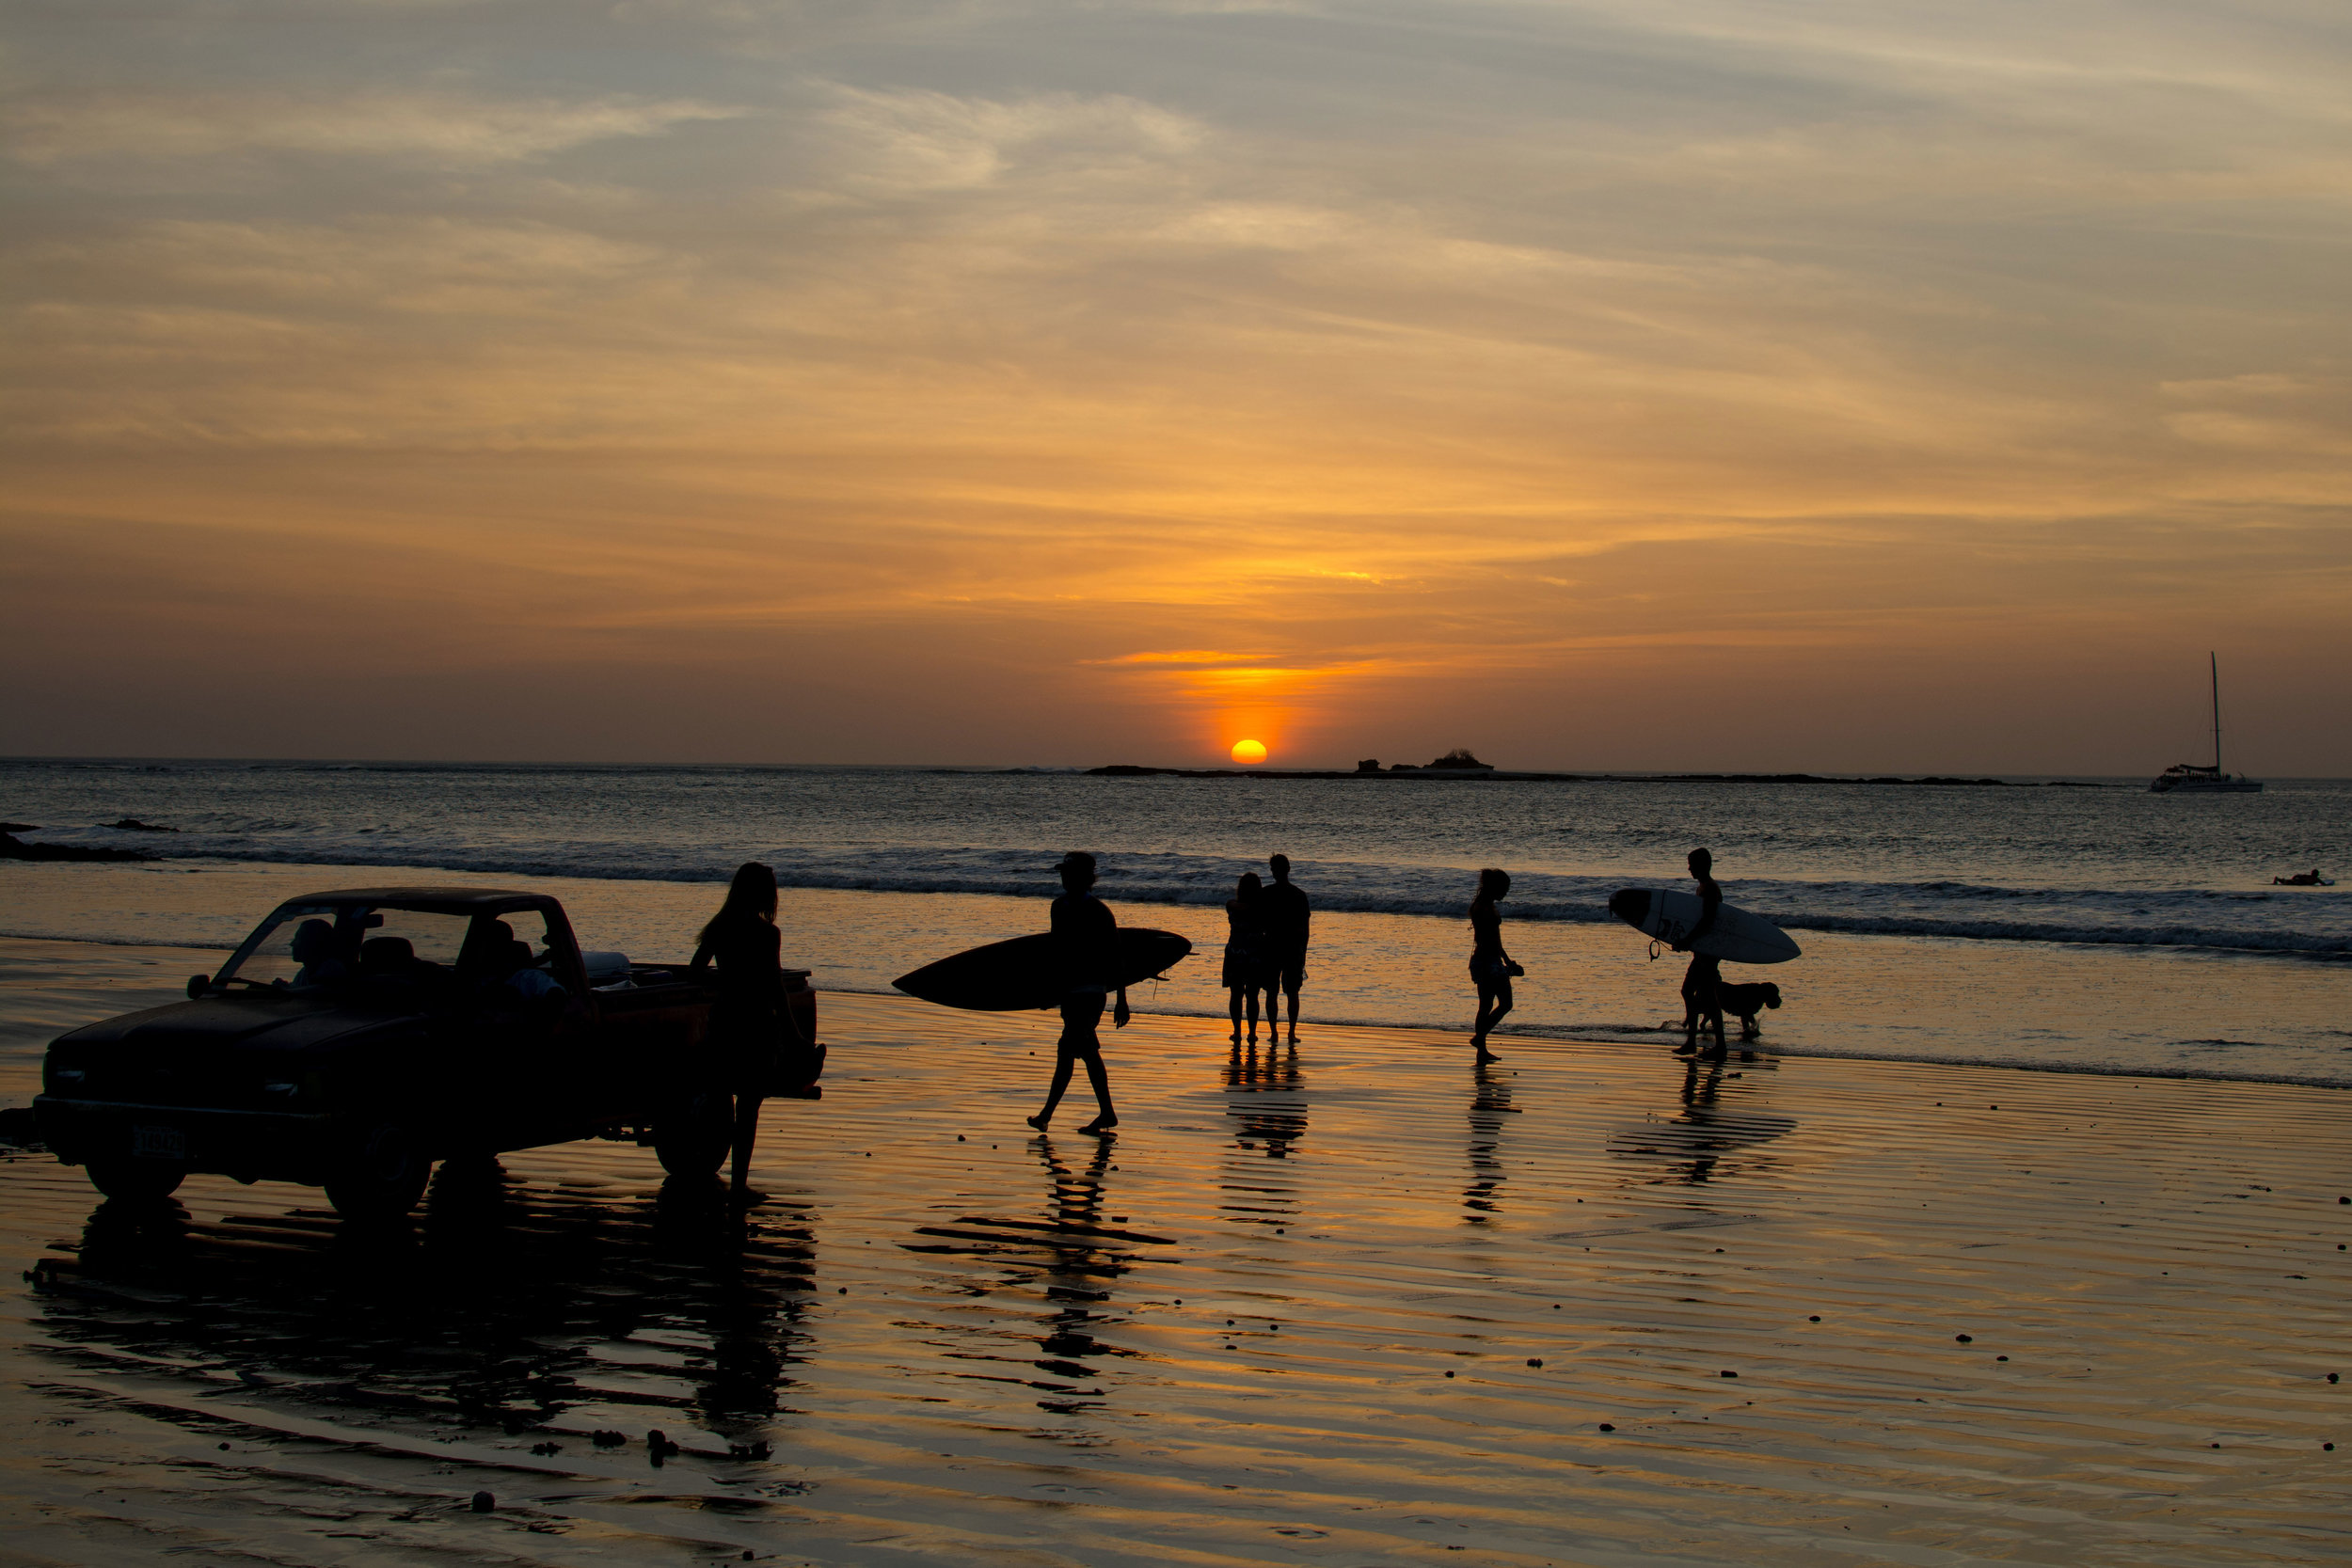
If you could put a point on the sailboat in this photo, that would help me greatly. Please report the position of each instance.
(2188, 778)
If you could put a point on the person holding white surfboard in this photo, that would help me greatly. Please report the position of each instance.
(1491, 967)
(1702, 1002)
(1086, 932)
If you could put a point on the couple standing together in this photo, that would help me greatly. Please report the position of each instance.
(1265, 947)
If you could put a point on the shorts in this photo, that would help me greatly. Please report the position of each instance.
(1081, 1016)
(1290, 970)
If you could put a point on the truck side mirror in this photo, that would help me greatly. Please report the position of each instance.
(197, 984)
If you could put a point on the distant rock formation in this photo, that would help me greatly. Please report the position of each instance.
(1460, 758)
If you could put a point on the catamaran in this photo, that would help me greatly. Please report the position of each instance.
(2187, 777)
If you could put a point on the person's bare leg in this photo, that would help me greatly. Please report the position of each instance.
(1108, 1119)
(1252, 994)
(1502, 1001)
(746, 1134)
(1053, 1095)
(1293, 1009)
(1233, 1003)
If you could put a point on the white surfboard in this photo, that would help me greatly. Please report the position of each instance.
(1737, 936)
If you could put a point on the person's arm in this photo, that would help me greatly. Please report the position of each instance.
(701, 956)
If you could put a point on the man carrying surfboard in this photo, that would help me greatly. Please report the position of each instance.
(1701, 1000)
(1087, 935)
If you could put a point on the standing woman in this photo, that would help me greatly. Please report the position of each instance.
(1491, 967)
(747, 1022)
(1245, 952)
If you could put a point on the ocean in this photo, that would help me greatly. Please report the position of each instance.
(2084, 925)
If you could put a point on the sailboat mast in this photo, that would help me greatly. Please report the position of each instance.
(2215, 661)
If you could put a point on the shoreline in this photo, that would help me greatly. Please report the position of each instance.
(1450, 1036)
(2192, 1013)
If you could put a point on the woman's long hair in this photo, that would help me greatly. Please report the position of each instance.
(1248, 889)
(751, 895)
(1493, 884)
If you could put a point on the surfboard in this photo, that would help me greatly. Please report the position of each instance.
(1737, 936)
(1027, 971)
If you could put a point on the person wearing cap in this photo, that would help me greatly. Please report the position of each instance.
(1088, 935)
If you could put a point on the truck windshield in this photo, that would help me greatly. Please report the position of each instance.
(307, 946)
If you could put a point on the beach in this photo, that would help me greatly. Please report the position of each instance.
(1355, 1303)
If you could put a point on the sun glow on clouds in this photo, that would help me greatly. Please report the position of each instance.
(1407, 385)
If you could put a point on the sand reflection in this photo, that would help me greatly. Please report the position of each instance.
(1712, 1135)
(1489, 1104)
(1265, 1102)
(527, 1309)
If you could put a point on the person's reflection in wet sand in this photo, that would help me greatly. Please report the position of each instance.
(1700, 1088)
(1265, 1097)
(1717, 1120)
(1079, 1269)
(1489, 1104)
(1271, 1125)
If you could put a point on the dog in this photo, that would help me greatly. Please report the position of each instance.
(1744, 1002)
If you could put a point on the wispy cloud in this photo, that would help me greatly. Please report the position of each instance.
(56, 128)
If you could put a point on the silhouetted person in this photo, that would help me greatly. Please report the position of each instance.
(747, 1021)
(1288, 916)
(1246, 966)
(1701, 1000)
(320, 952)
(487, 954)
(1088, 936)
(1491, 967)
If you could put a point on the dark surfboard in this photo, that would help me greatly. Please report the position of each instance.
(1027, 971)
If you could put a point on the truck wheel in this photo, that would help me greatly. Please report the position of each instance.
(694, 1138)
(383, 1178)
(136, 1178)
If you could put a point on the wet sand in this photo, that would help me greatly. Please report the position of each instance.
(1226, 1336)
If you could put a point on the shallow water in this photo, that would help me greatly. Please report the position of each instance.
(1226, 1336)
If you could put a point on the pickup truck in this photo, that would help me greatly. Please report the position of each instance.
(358, 1037)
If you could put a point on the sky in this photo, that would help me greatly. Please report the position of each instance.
(1681, 384)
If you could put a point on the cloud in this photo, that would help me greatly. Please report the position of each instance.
(56, 128)
(911, 141)
(1384, 363)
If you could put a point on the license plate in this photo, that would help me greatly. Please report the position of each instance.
(159, 1143)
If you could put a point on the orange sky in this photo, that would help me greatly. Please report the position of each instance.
(1835, 387)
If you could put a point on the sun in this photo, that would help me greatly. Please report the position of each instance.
(1249, 750)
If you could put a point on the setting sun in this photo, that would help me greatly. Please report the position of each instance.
(1249, 750)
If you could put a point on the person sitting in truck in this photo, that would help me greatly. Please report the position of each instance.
(487, 955)
(315, 948)
(528, 978)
